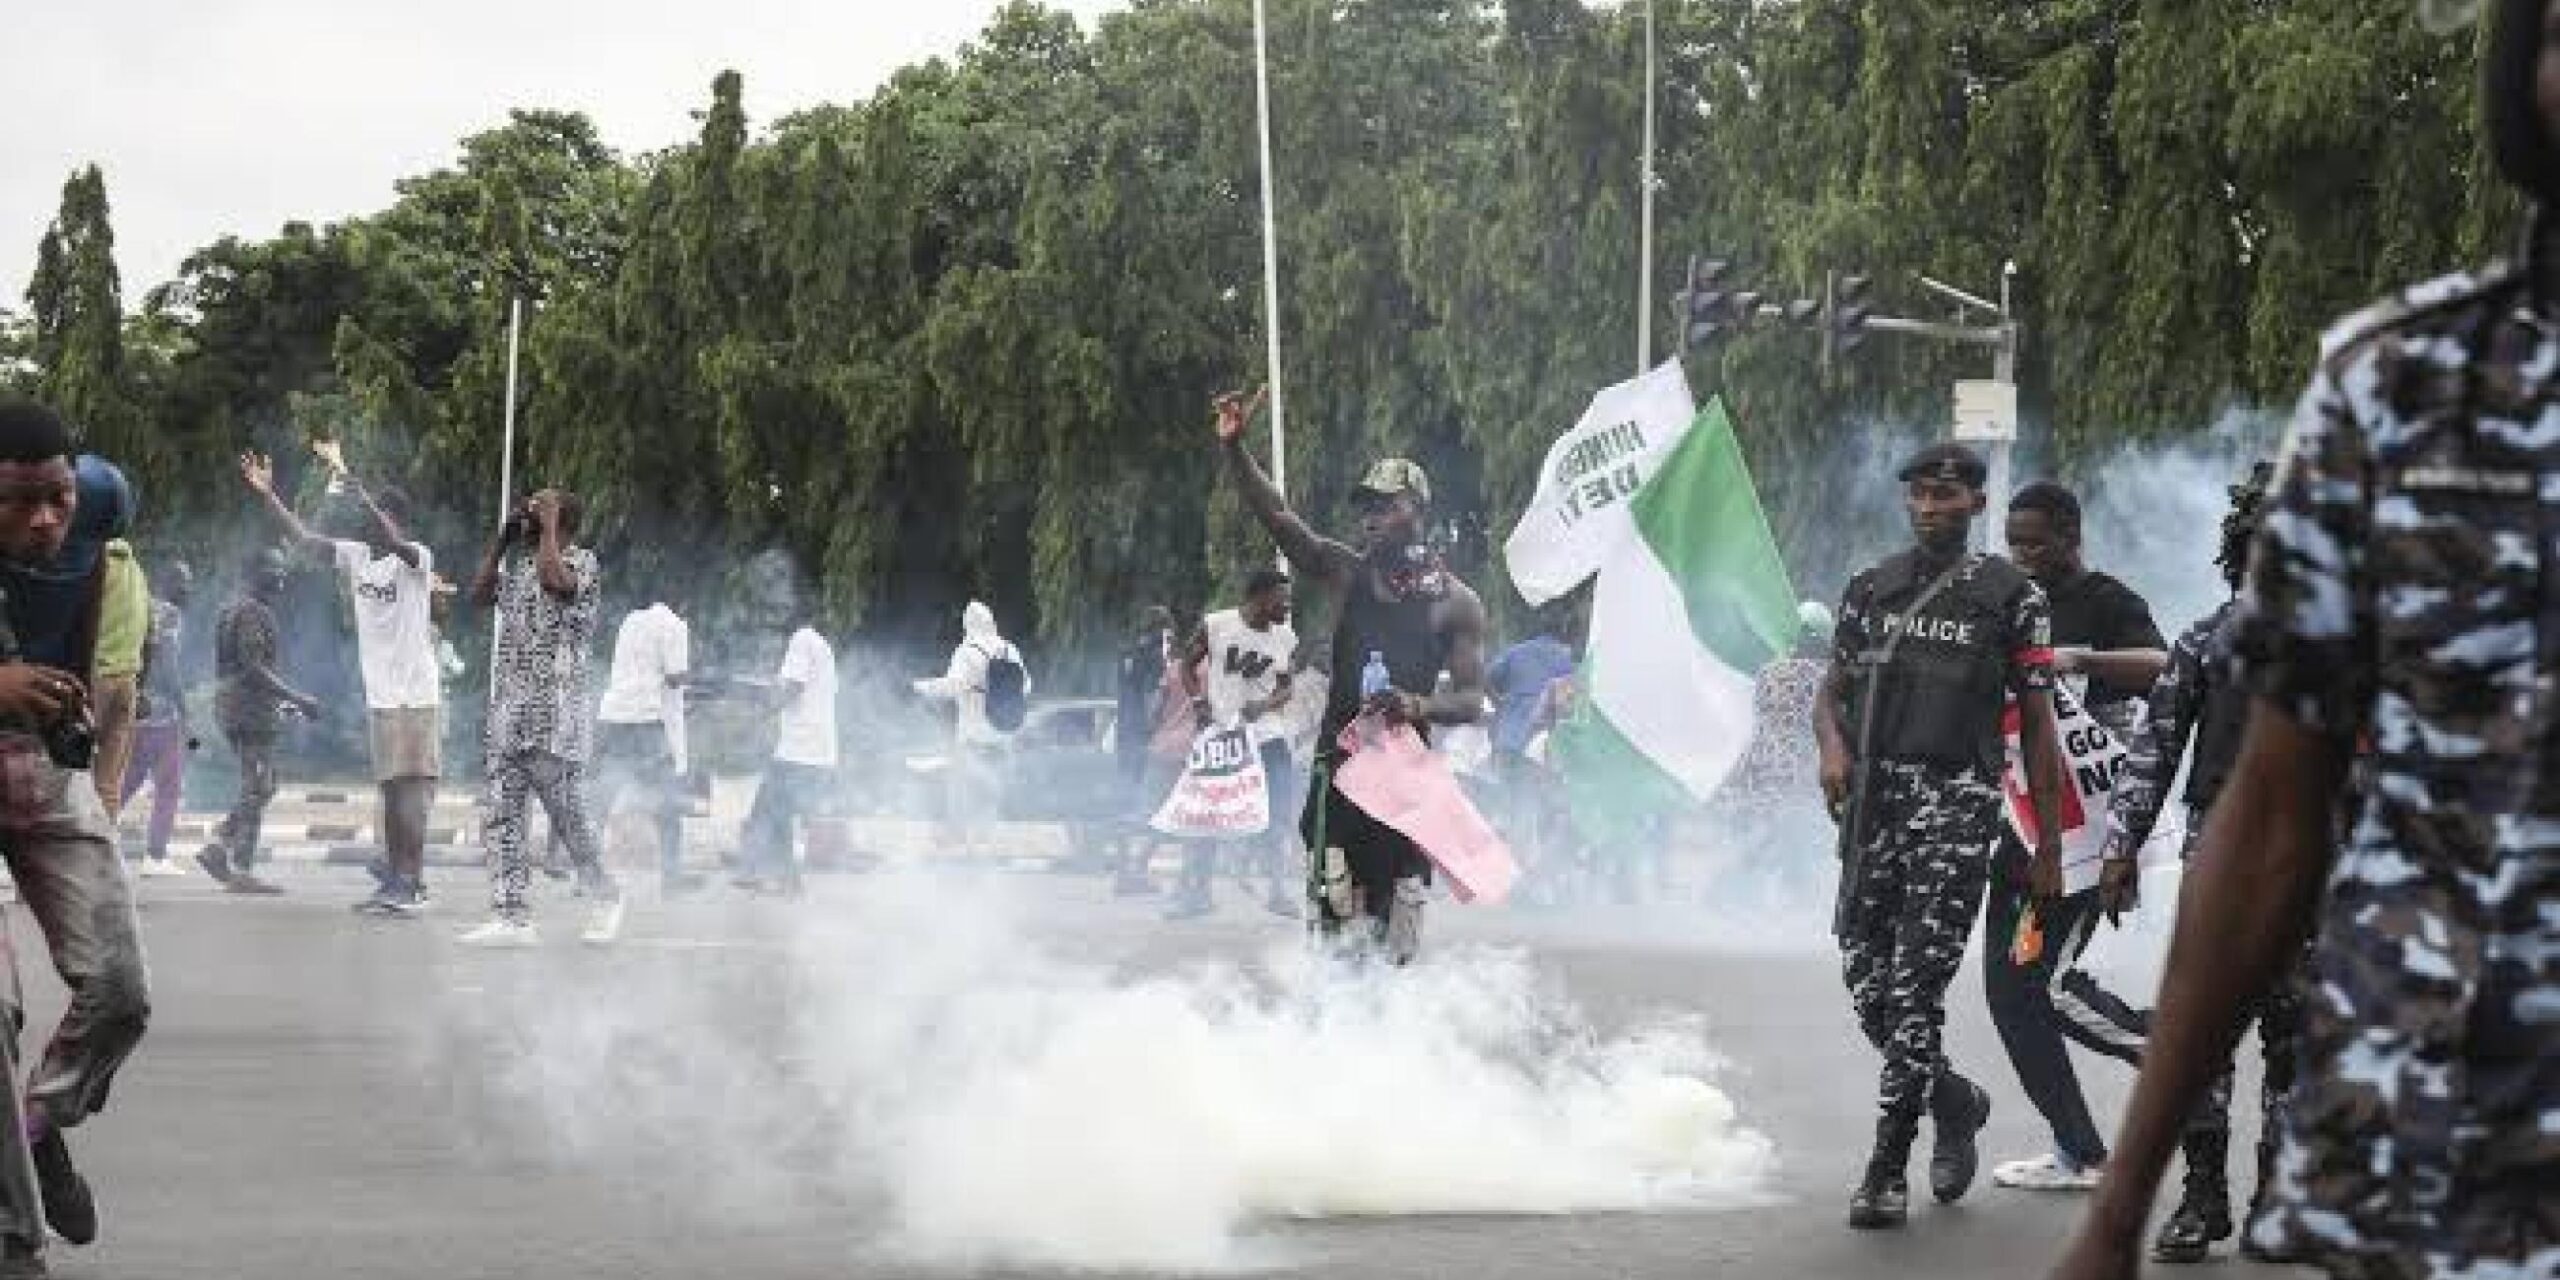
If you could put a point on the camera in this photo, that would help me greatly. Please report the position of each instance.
(71, 742)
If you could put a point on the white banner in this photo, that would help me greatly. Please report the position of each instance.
(1580, 512)
(2092, 760)
(1223, 793)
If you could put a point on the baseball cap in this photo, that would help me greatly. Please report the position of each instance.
(1390, 476)
(1945, 461)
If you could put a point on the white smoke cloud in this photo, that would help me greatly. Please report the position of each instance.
(999, 1102)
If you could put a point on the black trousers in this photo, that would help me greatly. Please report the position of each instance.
(2044, 1007)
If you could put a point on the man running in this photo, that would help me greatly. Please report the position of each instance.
(250, 702)
(57, 512)
(2197, 699)
(2399, 593)
(1400, 609)
(544, 587)
(389, 580)
(640, 730)
(1929, 647)
(2101, 630)
(805, 752)
(1242, 656)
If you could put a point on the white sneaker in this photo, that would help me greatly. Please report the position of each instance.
(2047, 1172)
(604, 926)
(502, 933)
(162, 869)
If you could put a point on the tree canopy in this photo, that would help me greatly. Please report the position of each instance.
(957, 339)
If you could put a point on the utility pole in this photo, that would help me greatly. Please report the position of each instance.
(1644, 245)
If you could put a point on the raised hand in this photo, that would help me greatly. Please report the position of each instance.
(260, 473)
(1234, 411)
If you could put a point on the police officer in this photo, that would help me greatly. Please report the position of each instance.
(2401, 587)
(1928, 647)
(2196, 699)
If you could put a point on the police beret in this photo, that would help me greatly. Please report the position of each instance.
(1945, 461)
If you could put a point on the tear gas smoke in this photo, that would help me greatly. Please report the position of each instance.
(991, 1101)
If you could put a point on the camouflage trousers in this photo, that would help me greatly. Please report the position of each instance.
(1909, 904)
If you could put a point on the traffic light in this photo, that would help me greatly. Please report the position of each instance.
(1845, 310)
(1705, 304)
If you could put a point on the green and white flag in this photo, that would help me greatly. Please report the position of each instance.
(1692, 600)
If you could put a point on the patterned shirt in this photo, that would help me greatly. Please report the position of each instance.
(2158, 739)
(1782, 762)
(164, 688)
(244, 642)
(2404, 584)
(538, 691)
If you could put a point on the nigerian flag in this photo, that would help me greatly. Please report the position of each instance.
(1692, 598)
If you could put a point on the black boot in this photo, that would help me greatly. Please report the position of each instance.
(2266, 1181)
(1883, 1197)
(2203, 1215)
(1958, 1108)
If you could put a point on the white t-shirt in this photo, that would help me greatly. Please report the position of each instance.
(651, 644)
(807, 734)
(395, 639)
(1244, 666)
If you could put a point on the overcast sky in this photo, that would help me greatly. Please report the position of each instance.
(216, 117)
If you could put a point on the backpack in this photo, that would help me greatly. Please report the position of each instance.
(1006, 703)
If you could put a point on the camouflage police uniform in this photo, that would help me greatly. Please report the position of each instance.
(2196, 700)
(1930, 809)
(2404, 584)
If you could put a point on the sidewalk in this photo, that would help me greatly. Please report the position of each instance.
(316, 824)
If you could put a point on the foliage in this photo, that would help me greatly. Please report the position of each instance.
(956, 339)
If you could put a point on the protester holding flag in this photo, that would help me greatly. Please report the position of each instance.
(1930, 645)
(1403, 620)
(2040, 999)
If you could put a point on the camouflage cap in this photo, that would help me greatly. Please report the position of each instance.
(1390, 476)
(1945, 461)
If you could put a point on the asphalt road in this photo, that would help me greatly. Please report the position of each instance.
(327, 1095)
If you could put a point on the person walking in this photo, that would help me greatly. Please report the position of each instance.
(1928, 648)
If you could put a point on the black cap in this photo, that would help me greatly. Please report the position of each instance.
(1945, 461)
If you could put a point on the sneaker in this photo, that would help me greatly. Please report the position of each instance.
(241, 882)
(69, 1208)
(161, 866)
(380, 870)
(2048, 1172)
(604, 926)
(216, 863)
(502, 933)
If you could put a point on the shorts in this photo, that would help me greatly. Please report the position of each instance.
(408, 742)
(1377, 855)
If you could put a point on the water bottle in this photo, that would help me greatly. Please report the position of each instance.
(1374, 679)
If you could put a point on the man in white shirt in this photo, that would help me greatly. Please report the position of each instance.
(640, 730)
(803, 765)
(989, 687)
(389, 581)
(1242, 657)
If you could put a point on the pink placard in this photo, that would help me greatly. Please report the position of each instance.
(1397, 779)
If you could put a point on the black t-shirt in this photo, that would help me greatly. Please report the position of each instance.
(2094, 611)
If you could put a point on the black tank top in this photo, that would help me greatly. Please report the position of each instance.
(1398, 631)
